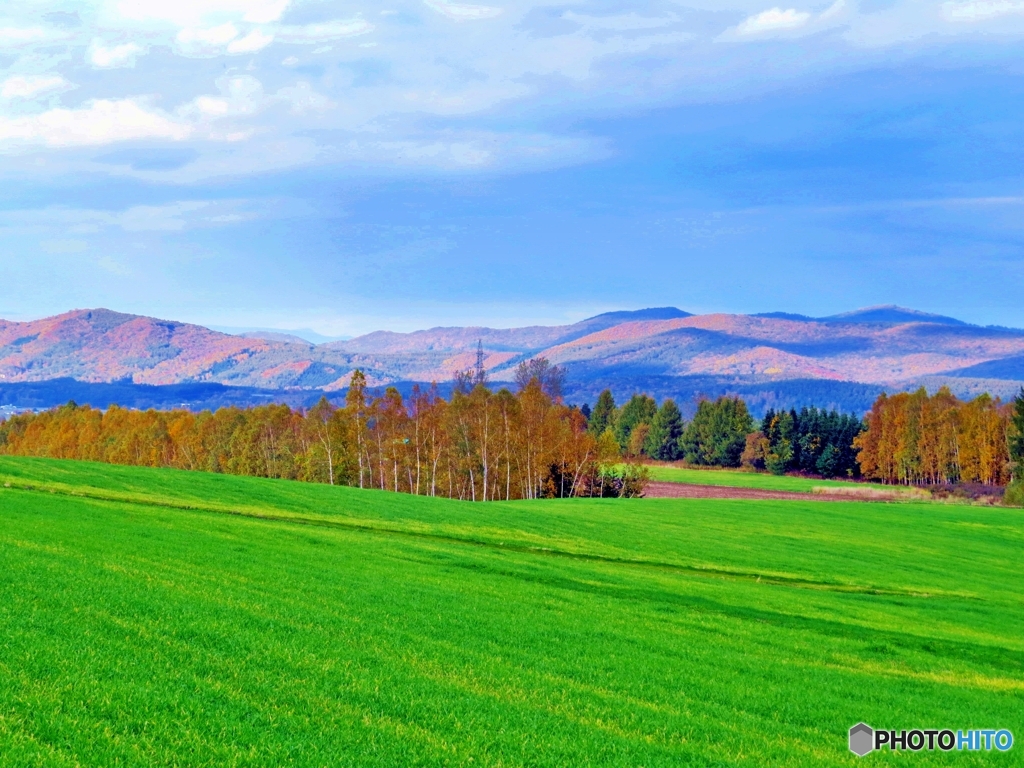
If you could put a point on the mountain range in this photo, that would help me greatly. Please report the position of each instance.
(772, 359)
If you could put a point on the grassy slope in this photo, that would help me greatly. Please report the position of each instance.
(367, 628)
(733, 478)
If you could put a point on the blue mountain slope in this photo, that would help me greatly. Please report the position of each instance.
(611, 319)
(890, 315)
(887, 315)
(1009, 368)
(786, 316)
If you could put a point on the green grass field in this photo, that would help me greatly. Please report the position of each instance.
(154, 617)
(734, 478)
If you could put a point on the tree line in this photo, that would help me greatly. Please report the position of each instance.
(480, 444)
(914, 438)
(483, 444)
(722, 433)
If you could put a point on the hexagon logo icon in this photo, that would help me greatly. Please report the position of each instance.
(862, 738)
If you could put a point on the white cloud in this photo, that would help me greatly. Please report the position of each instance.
(254, 41)
(12, 36)
(790, 23)
(219, 40)
(837, 9)
(461, 12)
(115, 56)
(980, 10)
(469, 150)
(618, 55)
(27, 86)
(266, 11)
(303, 98)
(168, 217)
(206, 41)
(241, 95)
(328, 30)
(98, 122)
(194, 13)
(772, 20)
(211, 106)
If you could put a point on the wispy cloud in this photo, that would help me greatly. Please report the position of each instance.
(27, 87)
(206, 41)
(221, 40)
(114, 56)
(168, 217)
(98, 122)
(980, 10)
(779, 21)
(19, 36)
(376, 75)
(256, 40)
(772, 20)
(241, 95)
(196, 12)
(462, 11)
(323, 31)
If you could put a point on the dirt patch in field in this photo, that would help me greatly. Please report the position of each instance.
(691, 491)
(818, 493)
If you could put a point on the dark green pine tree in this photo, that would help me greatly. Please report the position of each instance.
(1017, 436)
(666, 429)
(780, 453)
(603, 415)
(640, 409)
(718, 433)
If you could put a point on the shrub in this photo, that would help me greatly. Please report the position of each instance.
(1014, 496)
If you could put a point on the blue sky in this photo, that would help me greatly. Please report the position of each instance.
(350, 166)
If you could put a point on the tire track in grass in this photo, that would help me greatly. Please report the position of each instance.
(772, 579)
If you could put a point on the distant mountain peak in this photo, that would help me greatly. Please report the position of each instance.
(99, 317)
(651, 313)
(786, 316)
(890, 314)
(291, 335)
(287, 338)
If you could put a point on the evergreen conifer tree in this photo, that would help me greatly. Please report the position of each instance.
(640, 409)
(666, 429)
(718, 433)
(603, 415)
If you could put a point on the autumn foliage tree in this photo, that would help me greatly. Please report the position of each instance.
(914, 438)
(479, 445)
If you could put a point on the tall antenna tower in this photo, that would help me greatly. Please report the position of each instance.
(480, 375)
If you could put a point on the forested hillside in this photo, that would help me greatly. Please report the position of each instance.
(772, 361)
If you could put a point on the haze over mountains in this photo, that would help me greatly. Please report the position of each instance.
(774, 358)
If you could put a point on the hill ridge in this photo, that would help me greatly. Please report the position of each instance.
(662, 349)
